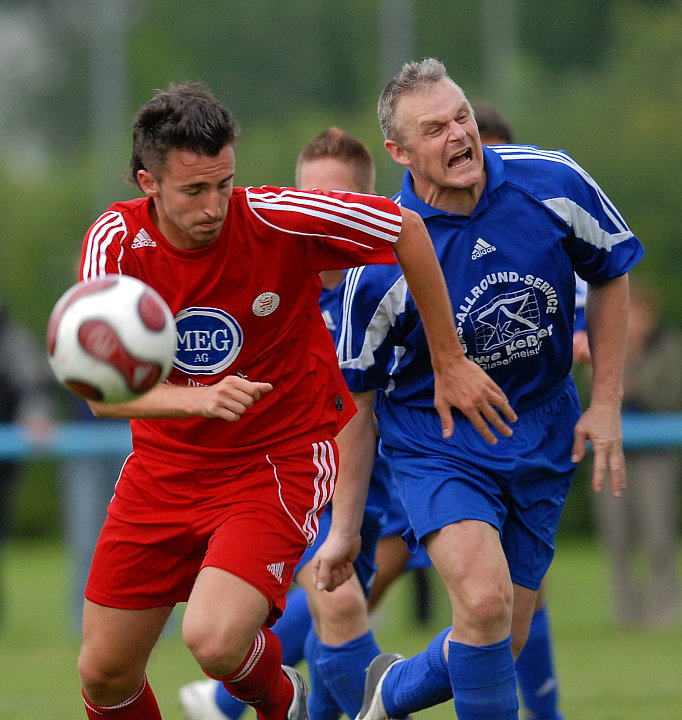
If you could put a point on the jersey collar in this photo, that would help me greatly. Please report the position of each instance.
(494, 167)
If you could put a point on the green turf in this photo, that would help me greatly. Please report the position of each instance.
(605, 672)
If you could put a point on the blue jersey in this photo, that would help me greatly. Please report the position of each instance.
(510, 269)
(380, 483)
(580, 299)
(330, 307)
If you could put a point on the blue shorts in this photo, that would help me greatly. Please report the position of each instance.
(398, 524)
(519, 486)
(370, 531)
(364, 565)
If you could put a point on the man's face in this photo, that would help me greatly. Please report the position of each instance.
(191, 196)
(326, 174)
(440, 142)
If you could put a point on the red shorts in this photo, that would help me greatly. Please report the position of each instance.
(165, 523)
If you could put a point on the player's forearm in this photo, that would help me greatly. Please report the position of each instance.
(424, 276)
(162, 401)
(606, 313)
(357, 448)
(227, 399)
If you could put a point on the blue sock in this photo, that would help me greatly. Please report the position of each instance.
(321, 703)
(291, 629)
(343, 668)
(535, 670)
(483, 681)
(229, 706)
(418, 682)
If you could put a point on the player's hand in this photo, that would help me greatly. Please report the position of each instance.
(332, 564)
(464, 385)
(230, 398)
(601, 425)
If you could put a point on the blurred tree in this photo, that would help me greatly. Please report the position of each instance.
(263, 57)
(567, 36)
(289, 70)
(620, 121)
(601, 80)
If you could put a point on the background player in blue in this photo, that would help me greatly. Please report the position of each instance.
(510, 227)
(340, 643)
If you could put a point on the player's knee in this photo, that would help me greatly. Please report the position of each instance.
(490, 608)
(108, 684)
(217, 653)
(346, 603)
(342, 614)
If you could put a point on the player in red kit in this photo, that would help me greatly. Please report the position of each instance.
(234, 455)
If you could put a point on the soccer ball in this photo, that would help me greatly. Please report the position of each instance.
(111, 339)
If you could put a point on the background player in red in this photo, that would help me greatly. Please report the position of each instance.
(234, 456)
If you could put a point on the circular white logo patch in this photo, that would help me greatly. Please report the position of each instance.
(265, 304)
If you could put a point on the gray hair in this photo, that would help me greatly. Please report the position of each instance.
(413, 77)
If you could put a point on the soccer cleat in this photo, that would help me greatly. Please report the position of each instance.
(298, 710)
(197, 700)
(372, 702)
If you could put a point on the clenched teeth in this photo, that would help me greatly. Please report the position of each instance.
(460, 159)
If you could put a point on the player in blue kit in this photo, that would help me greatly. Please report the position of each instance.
(510, 226)
(340, 644)
(535, 675)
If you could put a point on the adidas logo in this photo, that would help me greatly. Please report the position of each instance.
(482, 248)
(142, 239)
(276, 569)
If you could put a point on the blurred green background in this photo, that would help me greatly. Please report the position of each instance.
(600, 80)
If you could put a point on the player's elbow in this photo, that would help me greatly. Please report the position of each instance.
(101, 410)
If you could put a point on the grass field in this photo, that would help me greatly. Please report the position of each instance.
(605, 672)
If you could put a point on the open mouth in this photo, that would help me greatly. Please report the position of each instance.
(460, 159)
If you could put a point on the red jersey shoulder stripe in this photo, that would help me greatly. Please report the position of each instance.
(369, 210)
(361, 223)
(369, 206)
(107, 228)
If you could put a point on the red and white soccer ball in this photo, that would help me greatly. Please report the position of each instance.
(111, 339)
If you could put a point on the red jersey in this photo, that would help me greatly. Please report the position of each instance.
(247, 304)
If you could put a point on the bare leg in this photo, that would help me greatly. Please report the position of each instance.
(115, 650)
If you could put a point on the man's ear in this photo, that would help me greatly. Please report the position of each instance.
(397, 152)
(147, 183)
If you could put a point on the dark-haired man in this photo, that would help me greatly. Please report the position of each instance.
(234, 455)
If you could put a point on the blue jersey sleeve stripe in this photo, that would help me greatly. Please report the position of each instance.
(345, 336)
(584, 225)
(376, 330)
(511, 153)
(580, 292)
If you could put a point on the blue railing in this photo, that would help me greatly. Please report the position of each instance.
(66, 440)
(106, 438)
(641, 430)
